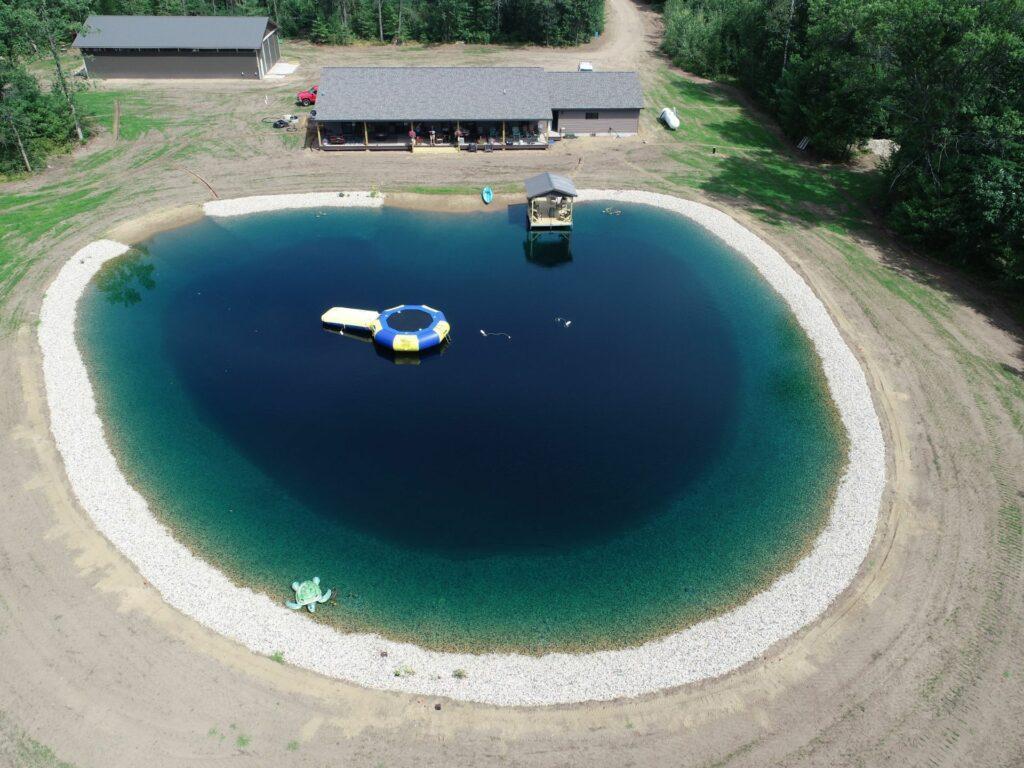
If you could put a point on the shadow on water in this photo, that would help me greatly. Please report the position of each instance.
(552, 249)
(412, 358)
(398, 358)
(124, 280)
(516, 214)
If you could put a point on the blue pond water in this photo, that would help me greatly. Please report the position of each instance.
(591, 483)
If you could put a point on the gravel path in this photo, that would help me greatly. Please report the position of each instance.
(708, 649)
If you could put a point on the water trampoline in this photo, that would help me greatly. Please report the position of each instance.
(410, 328)
(405, 328)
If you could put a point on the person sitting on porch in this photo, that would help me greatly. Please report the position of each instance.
(412, 136)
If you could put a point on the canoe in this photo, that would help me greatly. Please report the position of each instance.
(669, 117)
(487, 194)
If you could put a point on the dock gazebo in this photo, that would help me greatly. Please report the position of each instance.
(549, 199)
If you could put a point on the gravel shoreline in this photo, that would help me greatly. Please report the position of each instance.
(708, 649)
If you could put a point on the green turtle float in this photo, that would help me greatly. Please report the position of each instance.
(308, 594)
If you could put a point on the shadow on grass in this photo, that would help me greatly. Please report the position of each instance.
(725, 150)
(754, 168)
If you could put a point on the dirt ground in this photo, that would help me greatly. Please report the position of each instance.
(920, 662)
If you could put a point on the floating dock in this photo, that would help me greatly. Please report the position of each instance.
(350, 319)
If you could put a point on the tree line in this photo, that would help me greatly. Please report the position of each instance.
(942, 79)
(543, 22)
(34, 122)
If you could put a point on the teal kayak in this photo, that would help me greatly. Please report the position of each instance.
(487, 194)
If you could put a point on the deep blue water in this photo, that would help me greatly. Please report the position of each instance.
(661, 455)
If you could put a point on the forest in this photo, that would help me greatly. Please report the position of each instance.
(544, 22)
(942, 79)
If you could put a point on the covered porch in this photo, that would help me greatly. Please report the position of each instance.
(486, 135)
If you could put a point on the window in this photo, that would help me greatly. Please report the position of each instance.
(591, 116)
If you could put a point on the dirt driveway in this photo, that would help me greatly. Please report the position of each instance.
(921, 662)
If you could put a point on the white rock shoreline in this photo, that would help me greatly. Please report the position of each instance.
(708, 649)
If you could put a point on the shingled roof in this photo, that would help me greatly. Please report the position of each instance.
(546, 183)
(432, 93)
(594, 90)
(174, 32)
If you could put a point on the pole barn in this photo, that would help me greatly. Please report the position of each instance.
(179, 46)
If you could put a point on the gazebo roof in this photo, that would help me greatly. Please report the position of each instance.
(547, 183)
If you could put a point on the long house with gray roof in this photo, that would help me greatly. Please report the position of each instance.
(474, 108)
(178, 46)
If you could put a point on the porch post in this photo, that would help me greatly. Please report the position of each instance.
(502, 134)
(366, 136)
(319, 141)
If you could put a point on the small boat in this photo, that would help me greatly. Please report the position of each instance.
(487, 194)
(669, 117)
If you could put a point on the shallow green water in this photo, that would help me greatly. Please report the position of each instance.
(591, 483)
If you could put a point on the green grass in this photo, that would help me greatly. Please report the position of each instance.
(724, 151)
(290, 139)
(28, 217)
(277, 656)
(139, 114)
(929, 302)
(292, 746)
(23, 751)
(243, 741)
(423, 190)
(461, 190)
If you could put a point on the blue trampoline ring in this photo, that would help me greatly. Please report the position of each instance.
(410, 328)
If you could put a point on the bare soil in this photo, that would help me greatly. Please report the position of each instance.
(921, 662)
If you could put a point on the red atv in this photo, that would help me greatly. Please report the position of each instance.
(307, 97)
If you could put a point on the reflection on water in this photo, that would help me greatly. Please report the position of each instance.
(548, 249)
(123, 280)
(398, 358)
(412, 358)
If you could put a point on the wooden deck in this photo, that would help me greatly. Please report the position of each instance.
(442, 149)
(547, 222)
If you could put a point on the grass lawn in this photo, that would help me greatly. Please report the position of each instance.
(721, 150)
(27, 217)
(139, 114)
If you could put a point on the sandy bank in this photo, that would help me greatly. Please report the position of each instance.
(451, 203)
(144, 227)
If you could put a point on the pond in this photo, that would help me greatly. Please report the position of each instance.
(627, 432)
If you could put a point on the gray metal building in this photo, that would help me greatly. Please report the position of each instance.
(434, 108)
(179, 46)
(595, 103)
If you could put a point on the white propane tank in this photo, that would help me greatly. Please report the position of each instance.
(669, 117)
